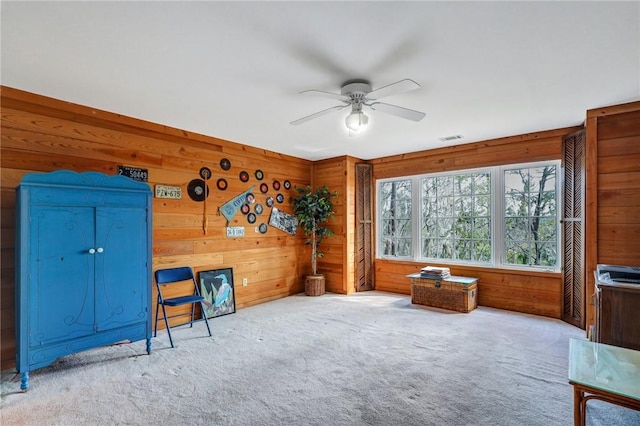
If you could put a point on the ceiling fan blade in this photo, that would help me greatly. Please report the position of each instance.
(401, 112)
(317, 114)
(325, 94)
(393, 88)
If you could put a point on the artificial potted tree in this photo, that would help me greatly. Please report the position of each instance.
(313, 208)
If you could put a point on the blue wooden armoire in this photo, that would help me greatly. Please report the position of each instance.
(83, 265)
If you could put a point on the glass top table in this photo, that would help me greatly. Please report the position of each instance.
(604, 372)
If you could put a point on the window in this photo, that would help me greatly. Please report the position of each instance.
(395, 200)
(530, 216)
(456, 217)
(498, 216)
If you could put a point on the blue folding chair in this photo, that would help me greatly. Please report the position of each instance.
(166, 277)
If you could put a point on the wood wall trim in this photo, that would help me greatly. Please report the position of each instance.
(613, 109)
(591, 215)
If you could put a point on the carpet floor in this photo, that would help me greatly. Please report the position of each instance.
(367, 359)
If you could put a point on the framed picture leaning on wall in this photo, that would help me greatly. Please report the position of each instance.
(217, 288)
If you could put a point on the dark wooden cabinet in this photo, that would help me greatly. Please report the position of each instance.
(618, 314)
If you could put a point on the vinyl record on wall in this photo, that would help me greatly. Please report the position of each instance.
(287, 184)
(205, 173)
(251, 218)
(244, 176)
(259, 174)
(262, 228)
(196, 189)
(251, 198)
(222, 184)
(269, 201)
(225, 164)
(280, 198)
(245, 209)
(264, 188)
(276, 185)
(258, 208)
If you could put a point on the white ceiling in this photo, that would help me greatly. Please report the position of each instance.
(233, 70)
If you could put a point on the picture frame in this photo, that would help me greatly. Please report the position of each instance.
(217, 287)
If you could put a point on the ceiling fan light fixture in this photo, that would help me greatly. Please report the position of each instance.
(356, 121)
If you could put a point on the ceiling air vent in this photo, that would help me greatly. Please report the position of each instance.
(450, 138)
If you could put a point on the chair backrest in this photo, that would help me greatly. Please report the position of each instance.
(166, 276)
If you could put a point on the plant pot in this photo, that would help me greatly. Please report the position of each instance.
(314, 285)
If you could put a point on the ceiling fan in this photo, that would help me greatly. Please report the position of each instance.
(358, 94)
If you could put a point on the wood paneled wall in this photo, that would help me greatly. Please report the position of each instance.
(338, 263)
(537, 293)
(613, 190)
(41, 134)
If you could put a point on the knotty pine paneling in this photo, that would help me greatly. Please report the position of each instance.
(339, 250)
(538, 293)
(41, 134)
(528, 292)
(613, 194)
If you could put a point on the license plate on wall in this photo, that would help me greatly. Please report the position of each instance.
(166, 191)
(135, 173)
(235, 231)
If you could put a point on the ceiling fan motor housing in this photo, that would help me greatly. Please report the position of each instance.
(355, 88)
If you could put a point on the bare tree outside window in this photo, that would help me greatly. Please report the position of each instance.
(456, 217)
(499, 216)
(395, 199)
(530, 216)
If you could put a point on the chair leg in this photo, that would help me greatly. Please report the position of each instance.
(155, 332)
(166, 322)
(204, 316)
(193, 314)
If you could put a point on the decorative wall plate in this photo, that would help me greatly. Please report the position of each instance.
(262, 228)
(287, 184)
(276, 185)
(259, 174)
(251, 218)
(280, 198)
(205, 173)
(245, 209)
(264, 188)
(196, 189)
(244, 176)
(258, 208)
(225, 164)
(222, 184)
(269, 201)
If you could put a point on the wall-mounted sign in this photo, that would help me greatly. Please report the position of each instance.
(283, 221)
(235, 231)
(134, 173)
(230, 208)
(167, 191)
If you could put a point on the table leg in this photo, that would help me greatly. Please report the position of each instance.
(578, 411)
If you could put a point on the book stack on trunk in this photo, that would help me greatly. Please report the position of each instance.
(435, 272)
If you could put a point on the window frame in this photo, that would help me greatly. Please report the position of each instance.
(497, 217)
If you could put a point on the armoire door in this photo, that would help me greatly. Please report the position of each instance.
(121, 272)
(61, 290)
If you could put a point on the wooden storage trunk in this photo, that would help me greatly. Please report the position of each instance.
(454, 293)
